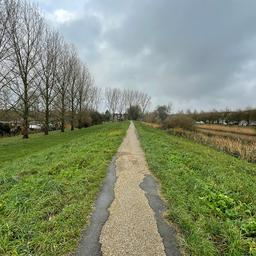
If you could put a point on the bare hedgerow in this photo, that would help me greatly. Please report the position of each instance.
(179, 121)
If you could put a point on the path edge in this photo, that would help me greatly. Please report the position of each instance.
(89, 243)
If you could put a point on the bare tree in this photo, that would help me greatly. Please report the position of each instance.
(85, 83)
(94, 98)
(63, 79)
(25, 34)
(112, 97)
(6, 9)
(144, 102)
(38, 69)
(74, 69)
(48, 72)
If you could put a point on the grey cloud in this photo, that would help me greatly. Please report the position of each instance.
(196, 49)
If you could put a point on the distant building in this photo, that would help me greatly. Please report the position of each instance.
(243, 123)
(119, 117)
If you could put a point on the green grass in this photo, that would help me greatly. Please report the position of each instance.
(47, 190)
(15, 147)
(211, 195)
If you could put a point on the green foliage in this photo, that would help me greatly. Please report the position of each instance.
(46, 196)
(211, 195)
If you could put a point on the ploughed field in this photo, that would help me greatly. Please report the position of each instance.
(48, 185)
(210, 194)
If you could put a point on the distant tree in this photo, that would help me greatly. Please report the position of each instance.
(112, 97)
(107, 116)
(134, 112)
(83, 95)
(96, 117)
(163, 112)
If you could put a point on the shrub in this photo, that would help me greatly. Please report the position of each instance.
(4, 129)
(179, 121)
(96, 117)
(86, 120)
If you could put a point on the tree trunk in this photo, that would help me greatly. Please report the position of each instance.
(72, 118)
(62, 123)
(46, 131)
(26, 125)
(63, 113)
(72, 124)
(80, 114)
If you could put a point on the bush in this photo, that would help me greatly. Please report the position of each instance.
(4, 129)
(96, 117)
(179, 121)
(86, 120)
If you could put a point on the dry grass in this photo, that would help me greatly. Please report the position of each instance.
(234, 145)
(153, 125)
(231, 129)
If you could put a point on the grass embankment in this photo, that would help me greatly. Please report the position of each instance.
(47, 190)
(211, 195)
(12, 148)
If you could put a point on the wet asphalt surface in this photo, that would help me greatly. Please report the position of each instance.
(89, 244)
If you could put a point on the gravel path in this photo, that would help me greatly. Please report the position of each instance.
(131, 228)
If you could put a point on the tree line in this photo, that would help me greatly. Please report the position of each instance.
(121, 100)
(39, 71)
(226, 115)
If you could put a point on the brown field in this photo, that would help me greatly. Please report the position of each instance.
(232, 135)
(239, 145)
(152, 125)
(234, 140)
(230, 129)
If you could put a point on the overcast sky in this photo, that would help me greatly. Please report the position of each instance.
(198, 54)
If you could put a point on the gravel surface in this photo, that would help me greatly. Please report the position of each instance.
(131, 228)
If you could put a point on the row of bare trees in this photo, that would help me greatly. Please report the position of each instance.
(119, 100)
(38, 68)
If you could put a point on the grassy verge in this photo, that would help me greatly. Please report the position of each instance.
(12, 148)
(46, 197)
(211, 195)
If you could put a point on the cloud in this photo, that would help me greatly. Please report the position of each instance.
(62, 16)
(198, 54)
